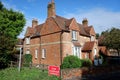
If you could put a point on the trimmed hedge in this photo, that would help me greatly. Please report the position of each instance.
(71, 62)
(86, 62)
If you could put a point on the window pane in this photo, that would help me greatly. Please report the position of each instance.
(36, 53)
(74, 35)
(27, 40)
(43, 53)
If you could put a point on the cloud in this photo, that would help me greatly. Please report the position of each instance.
(101, 19)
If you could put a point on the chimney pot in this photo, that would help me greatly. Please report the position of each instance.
(85, 22)
(51, 9)
(34, 22)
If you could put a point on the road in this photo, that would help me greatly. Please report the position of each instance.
(110, 76)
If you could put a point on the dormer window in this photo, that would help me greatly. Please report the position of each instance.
(74, 35)
(27, 40)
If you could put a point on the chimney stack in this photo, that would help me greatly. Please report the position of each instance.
(85, 22)
(34, 22)
(51, 9)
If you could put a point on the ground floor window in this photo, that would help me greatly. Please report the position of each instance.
(87, 56)
(36, 53)
(76, 51)
(43, 53)
(27, 51)
(95, 52)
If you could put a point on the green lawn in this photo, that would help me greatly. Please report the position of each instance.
(25, 74)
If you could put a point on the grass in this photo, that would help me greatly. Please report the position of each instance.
(25, 74)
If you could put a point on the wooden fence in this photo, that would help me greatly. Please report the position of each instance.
(30, 65)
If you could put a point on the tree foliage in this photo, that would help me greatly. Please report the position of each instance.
(111, 39)
(97, 35)
(11, 24)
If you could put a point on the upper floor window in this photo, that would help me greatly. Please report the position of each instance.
(74, 35)
(43, 53)
(27, 40)
(92, 38)
(36, 53)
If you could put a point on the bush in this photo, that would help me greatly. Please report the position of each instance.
(27, 59)
(71, 62)
(86, 62)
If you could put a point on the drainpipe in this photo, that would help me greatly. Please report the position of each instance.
(61, 53)
(40, 53)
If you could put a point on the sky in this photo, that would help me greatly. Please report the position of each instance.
(101, 14)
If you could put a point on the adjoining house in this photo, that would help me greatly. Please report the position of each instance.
(59, 37)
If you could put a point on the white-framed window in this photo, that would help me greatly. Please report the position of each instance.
(74, 35)
(95, 52)
(87, 55)
(76, 51)
(27, 40)
(43, 53)
(36, 53)
(92, 38)
(27, 51)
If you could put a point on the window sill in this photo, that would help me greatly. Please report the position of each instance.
(74, 40)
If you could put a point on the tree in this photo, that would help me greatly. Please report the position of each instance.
(97, 35)
(111, 39)
(11, 24)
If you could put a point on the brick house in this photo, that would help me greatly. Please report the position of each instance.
(59, 37)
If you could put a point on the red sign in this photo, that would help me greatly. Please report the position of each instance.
(54, 70)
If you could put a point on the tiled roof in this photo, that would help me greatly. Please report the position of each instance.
(82, 30)
(88, 46)
(63, 23)
(68, 22)
(89, 30)
(76, 43)
(34, 31)
(30, 31)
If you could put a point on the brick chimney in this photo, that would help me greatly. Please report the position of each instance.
(85, 22)
(34, 22)
(51, 9)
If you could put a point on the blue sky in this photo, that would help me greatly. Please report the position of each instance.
(102, 14)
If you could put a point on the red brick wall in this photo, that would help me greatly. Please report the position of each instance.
(95, 71)
(50, 41)
(34, 44)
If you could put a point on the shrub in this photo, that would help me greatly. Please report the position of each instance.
(71, 62)
(86, 62)
(27, 59)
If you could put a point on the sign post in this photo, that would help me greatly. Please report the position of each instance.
(54, 70)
